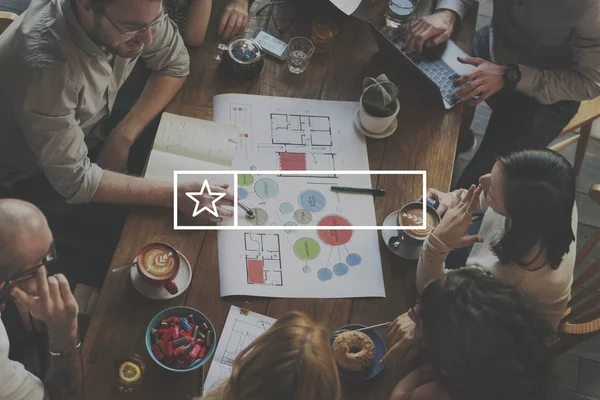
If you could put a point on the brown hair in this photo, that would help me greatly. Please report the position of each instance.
(291, 361)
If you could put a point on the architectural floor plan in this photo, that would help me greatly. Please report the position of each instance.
(263, 259)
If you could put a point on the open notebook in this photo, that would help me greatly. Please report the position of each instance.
(184, 143)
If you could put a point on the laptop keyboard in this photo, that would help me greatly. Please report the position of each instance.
(438, 71)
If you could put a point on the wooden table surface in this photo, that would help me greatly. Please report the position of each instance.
(425, 140)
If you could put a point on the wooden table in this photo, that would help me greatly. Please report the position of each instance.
(425, 140)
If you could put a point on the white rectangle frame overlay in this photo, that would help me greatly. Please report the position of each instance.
(237, 227)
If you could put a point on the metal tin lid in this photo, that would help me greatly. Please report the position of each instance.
(244, 50)
(400, 8)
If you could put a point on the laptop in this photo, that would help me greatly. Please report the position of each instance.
(438, 64)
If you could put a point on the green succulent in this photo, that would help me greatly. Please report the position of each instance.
(379, 96)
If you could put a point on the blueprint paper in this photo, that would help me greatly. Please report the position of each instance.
(241, 328)
(284, 134)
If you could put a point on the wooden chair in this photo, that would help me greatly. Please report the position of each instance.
(582, 317)
(5, 20)
(588, 112)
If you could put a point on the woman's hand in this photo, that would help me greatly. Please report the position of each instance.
(401, 336)
(234, 19)
(452, 230)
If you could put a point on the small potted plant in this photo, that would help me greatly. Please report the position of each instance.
(379, 104)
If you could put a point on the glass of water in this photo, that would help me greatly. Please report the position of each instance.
(301, 50)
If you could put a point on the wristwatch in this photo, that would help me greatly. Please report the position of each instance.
(512, 76)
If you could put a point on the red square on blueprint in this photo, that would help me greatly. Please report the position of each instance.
(255, 272)
(292, 161)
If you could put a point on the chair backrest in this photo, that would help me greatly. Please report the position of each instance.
(582, 317)
(5, 20)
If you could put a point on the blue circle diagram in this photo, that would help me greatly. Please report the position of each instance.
(353, 259)
(266, 188)
(312, 200)
(242, 193)
(340, 269)
(286, 208)
(324, 274)
(290, 223)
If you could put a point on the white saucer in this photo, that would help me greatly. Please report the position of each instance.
(155, 292)
(388, 132)
(390, 220)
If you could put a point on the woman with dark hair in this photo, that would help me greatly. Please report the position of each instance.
(526, 235)
(477, 337)
(527, 230)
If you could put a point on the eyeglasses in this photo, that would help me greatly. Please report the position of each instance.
(137, 31)
(30, 273)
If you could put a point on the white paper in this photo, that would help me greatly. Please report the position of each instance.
(347, 6)
(299, 134)
(184, 143)
(241, 328)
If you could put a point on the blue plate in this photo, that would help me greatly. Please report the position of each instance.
(180, 311)
(376, 367)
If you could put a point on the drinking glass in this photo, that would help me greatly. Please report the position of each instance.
(301, 50)
(324, 31)
(400, 14)
(129, 372)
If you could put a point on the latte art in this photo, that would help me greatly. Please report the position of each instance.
(159, 262)
(414, 217)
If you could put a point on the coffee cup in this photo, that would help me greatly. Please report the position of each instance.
(409, 242)
(158, 264)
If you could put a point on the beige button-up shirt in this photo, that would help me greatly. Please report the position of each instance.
(555, 42)
(57, 86)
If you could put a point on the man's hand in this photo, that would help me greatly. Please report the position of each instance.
(401, 336)
(55, 305)
(486, 80)
(234, 19)
(187, 205)
(114, 153)
(430, 31)
(452, 230)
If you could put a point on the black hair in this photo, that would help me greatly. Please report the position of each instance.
(486, 336)
(539, 193)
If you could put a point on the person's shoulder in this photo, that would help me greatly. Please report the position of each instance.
(42, 39)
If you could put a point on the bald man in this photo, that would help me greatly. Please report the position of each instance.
(26, 247)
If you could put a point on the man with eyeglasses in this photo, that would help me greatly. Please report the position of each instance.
(26, 247)
(62, 63)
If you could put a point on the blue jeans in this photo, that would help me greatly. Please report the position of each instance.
(98, 223)
(457, 258)
(518, 122)
(14, 6)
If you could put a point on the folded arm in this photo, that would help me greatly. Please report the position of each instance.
(197, 22)
(168, 59)
(579, 82)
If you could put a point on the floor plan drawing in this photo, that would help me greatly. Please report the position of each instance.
(301, 130)
(263, 259)
(297, 149)
(302, 143)
(241, 328)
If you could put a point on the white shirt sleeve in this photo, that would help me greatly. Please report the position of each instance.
(16, 383)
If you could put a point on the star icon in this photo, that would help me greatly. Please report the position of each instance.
(213, 209)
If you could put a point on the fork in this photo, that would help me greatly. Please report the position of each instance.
(366, 328)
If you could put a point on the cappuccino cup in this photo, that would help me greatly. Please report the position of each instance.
(409, 242)
(158, 264)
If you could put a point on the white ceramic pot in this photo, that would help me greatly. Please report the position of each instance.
(376, 125)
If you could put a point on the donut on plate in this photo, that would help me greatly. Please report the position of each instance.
(354, 351)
